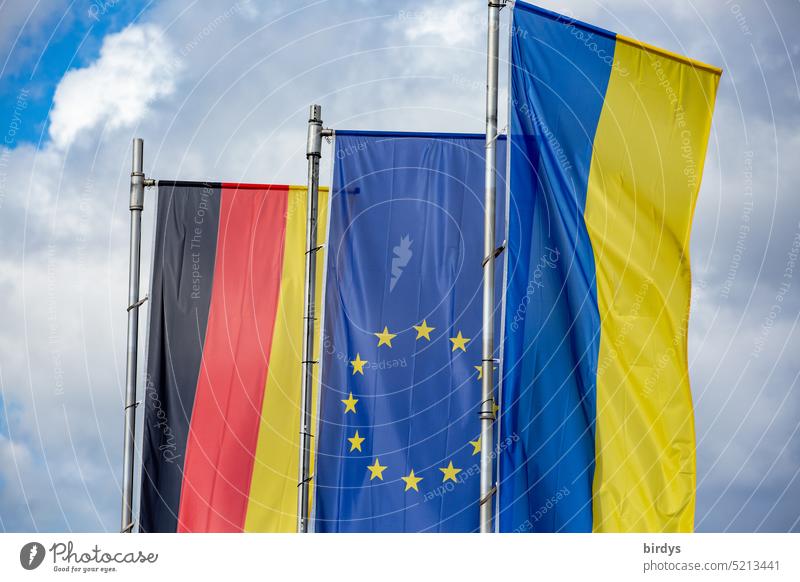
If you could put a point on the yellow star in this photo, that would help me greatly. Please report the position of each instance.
(355, 442)
(358, 365)
(411, 481)
(350, 404)
(384, 337)
(423, 330)
(459, 342)
(476, 446)
(450, 472)
(376, 470)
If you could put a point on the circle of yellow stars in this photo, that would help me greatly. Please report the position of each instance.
(385, 337)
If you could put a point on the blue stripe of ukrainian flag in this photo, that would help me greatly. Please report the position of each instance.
(607, 143)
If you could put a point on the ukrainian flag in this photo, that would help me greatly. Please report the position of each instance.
(607, 140)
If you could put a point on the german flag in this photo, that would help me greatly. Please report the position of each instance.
(222, 412)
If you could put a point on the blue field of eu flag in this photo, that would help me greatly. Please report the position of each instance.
(398, 437)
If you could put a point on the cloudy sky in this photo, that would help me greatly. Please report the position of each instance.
(220, 90)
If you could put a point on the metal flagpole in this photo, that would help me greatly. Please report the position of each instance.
(313, 154)
(138, 183)
(490, 253)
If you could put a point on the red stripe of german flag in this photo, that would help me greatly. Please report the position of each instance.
(227, 407)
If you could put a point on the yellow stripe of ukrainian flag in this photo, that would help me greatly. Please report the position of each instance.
(645, 174)
(273, 492)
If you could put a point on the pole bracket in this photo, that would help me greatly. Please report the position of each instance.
(496, 137)
(134, 405)
(314, 143)
(487, 414)
(315, 249)
(497, 252)
(138, 303)
(306, 480)
(488, 497)
(310, 362)
(127, 529)
(500, 133)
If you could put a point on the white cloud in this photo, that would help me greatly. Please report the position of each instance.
(136, 66)
(443, 23)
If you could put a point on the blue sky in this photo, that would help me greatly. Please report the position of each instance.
(50, 43)
(220, 90)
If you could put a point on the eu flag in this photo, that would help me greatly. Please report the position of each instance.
(398, 436)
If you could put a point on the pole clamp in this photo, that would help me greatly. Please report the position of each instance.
(498, 134)
(134, 405)
(497, 252)
(310, 362)
(487, 414)
(495, 138)
(488, 497)
(314, 141)
(138, 303)
(127, 529)
(315, 249)
(137, 191)
(306, 480)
